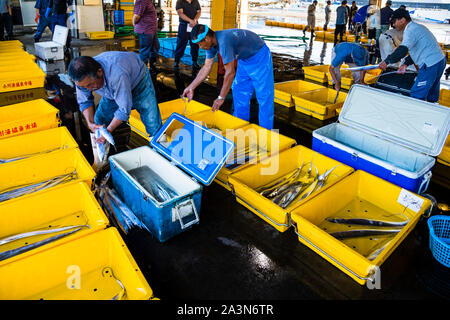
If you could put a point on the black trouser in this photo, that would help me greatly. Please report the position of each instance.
(340, 29)
(6, 23)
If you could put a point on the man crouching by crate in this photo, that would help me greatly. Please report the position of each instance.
(424, 51)
(124, 83)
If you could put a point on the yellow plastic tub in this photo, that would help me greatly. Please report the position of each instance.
(319, 103)
(261, 143)
(358, 195)
(17, 56)
(37, 143)
(11, 43)
(100, 35)
(69, 205)
(444, 157)
(24, 63)
(285, 90)
(317, 73)
(22, 79)
(347, 81)
(27, 117)
(320, 35)
(13, 97)
(218, 121)
(246, 183)
(444, 97)
(94, 267)
(44, 167)
(166, 109)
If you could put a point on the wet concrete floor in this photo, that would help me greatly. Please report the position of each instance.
(234, 255)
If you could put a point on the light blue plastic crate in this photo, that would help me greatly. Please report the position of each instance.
(439, 227)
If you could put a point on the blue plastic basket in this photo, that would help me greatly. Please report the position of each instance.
(440, 238)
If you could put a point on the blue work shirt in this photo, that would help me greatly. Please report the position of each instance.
(42, 5)
(341, 13)
(235, 44)
(344, 51)
(122, 71)
(4, 5)
(422, 46)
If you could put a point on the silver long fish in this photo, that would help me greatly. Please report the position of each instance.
(280, 197)
(356, 233)
(368, 222)
(291, 195)
(37, 233)
(15, 252)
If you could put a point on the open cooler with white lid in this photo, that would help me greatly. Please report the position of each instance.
(53, 50)
(162, 184)
(388, 135)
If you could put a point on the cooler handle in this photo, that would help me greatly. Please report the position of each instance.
(426, 181)
(54, 49)
(190, 203)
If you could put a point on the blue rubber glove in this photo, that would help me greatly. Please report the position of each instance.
(47, 12)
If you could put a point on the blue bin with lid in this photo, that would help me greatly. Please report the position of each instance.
(186, 156)
(391, 136)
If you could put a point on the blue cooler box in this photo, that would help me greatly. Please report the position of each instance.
(389, 135)
(186, 156)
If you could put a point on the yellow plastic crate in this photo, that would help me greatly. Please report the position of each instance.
(37, 143)
(245, 183)
(218, 120)
(25, 63)
(100, 35)
(358, 195)
(27, 117)
(285, 90)
(13, 97)
(347, 81)
(68, 205)
(317, 73)
(11, 43)
(166, 109)
(44, 167)
(319, 103)
(21, 80)
(444, 157)
(262, 142)
(444, 97)
(17, 56)
(94, 267)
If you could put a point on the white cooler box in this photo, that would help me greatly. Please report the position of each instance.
(184, 155)
(389, 135)
(53, 50)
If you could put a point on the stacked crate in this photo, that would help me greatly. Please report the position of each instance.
(55, 230)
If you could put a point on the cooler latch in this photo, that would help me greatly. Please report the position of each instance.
(184, 209)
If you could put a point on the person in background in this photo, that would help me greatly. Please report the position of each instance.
(341, 21)
(311, 18)
(402, 7)
(353, 54)
(385, 16)
(353, 10)
(424, 51)
(44, 22)
(374, 26)
(57, 14)
(327, 15)
(145, 24)
(6, 20)
(254, 70)
(123, 81)
(189, 12)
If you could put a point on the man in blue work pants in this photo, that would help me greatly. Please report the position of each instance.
(44, 22)
(254, 70)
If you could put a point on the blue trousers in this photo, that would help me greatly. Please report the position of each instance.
(6, 23)
(144, 101)
(42, 24)
(427, 84)
(182, 39)
(255, 74)
(61, 20)
(148, 47)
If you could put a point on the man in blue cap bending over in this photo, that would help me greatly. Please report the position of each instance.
(254, 70)
(354, 55)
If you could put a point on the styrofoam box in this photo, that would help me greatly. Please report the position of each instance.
(53, 50)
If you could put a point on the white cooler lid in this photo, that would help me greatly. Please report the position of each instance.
(414, 123)
(60, 35)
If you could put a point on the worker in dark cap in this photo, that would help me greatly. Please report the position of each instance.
(424, 51)
(386, 14)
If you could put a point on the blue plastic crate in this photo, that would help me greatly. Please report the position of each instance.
(439, 227)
